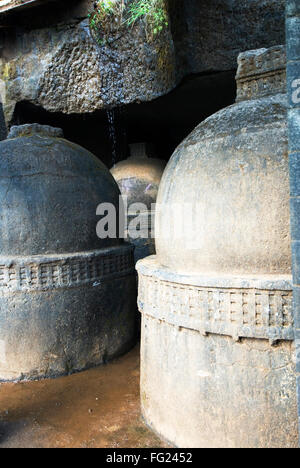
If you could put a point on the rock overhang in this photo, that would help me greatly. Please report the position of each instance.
(8, 5)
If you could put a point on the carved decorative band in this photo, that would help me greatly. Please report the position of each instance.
(261, 85)
(64, 271)
(240, 313)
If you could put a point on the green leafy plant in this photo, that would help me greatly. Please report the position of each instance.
(154, 12)
(112, 16)
(106, 19)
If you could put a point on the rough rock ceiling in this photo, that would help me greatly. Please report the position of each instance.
(6, 5)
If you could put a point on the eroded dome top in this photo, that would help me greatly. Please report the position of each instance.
(50, 189)
(139, 176)
(224, 196)
(34, 129)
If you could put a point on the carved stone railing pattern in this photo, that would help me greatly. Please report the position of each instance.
(249, 313)
(260, 86)
(42, 272)
(261, 73)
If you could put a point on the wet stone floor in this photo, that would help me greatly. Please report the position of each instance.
(97, 408)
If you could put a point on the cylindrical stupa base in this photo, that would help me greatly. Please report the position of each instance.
(217, 359)
(65, 313)
(140, 233)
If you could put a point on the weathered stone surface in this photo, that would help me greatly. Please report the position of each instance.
(139, 176)
(66, 325)
(294, 125)
(240, 307)
(67, 298)
(62, 69)
(209, 343)
(211, 391)
(211, 33)
(293, 72)
(218, 326)
(296, 262)
(292, 37)
(292, 8)
(298, 392)
(237, 183)
(44, 179)
(6, 5)
(59, 66)
(261, 73)
(295, 215)
(296, 299)
(2, 124)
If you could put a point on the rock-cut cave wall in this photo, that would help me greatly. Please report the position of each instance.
(52, 71)
(49, 58)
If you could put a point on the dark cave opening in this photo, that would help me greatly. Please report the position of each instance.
(164, 122)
